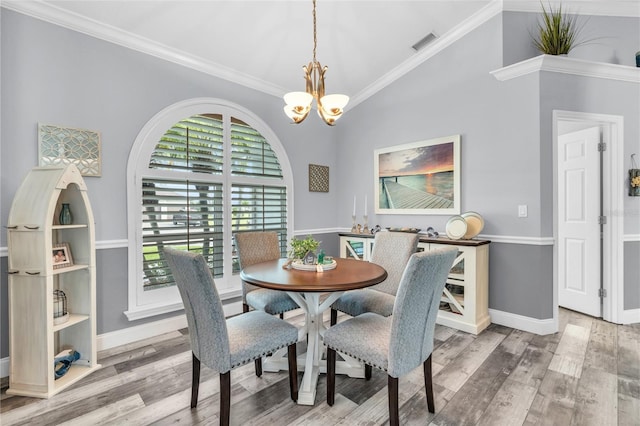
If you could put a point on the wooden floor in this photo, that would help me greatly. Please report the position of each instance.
(588, 374)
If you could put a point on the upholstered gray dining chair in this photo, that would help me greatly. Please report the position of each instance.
(391, 250)
(401, 342)
(256, 247)
(225, 344)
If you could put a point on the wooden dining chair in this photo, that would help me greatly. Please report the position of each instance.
(225, 344)
(399, 343)
(391, 250)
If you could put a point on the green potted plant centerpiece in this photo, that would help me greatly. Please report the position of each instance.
(301, 249)
(558, 33)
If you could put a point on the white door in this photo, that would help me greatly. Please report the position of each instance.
(579, 265)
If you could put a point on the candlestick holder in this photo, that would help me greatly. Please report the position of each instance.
(365, 227)
(354, 230)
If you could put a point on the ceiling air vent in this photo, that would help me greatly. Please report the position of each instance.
(424, 41)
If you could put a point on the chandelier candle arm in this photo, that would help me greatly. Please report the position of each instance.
(298, 104)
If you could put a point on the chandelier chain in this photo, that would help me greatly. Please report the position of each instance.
(315, 39)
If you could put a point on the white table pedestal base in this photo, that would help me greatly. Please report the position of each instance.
(311, 362)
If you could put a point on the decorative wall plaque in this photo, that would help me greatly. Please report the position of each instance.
(63, 145)
(318, 178)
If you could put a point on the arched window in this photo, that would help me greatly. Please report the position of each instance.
(200, 171)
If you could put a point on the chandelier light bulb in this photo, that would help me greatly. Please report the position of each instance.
(334, 104)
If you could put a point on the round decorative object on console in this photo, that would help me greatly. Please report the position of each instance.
(456, 227)
(475, 223)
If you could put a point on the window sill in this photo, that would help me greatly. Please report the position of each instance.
(149, 311)
(566, 65)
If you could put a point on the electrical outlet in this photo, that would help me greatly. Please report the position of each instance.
(522, 210)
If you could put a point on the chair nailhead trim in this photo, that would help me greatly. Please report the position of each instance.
(246, 361)
(359, 359)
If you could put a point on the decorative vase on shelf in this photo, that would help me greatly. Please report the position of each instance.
(65, 215)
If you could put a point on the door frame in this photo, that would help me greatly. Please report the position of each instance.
(611, 127)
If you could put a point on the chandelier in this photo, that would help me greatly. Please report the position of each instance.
(330, 107)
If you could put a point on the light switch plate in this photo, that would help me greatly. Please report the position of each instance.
(522, 210)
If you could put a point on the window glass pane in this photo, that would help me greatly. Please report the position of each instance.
(185, 210)
(186, 215)
(192, 145)
(251, 154)
(259, 208)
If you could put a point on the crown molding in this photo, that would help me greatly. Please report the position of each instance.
(566, 65)
(73, 21)
(624, 8)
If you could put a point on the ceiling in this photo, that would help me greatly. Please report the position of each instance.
(264, 44)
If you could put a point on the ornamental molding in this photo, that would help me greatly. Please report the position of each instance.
(566, 65)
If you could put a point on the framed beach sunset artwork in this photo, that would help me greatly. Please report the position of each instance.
(418, 178)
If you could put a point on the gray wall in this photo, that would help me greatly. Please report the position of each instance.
(632, 275)
(454, 93)
(613, 40)
(506, 143)
(56, 76)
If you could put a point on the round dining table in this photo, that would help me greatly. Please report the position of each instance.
(314, 291)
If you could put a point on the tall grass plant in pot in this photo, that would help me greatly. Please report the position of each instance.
(557, 33)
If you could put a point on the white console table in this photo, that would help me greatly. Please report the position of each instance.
(465, 300)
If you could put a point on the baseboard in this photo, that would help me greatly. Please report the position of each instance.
(155, 328)
(532, 325)
(138, 332)
(631, 316)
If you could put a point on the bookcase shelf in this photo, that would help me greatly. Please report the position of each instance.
(32, 232)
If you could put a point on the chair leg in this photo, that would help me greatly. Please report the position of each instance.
(245, 308)
(392, 386)
(281, 315)
(258, 363)
(367, 372)
(334, 316)
(428, 385)
(293, 371)
(195, 380)
(225, 398)
(331, 376)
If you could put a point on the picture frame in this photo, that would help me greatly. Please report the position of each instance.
(61, 256)
(418, 178)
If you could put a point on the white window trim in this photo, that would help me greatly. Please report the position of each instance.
(167, 300)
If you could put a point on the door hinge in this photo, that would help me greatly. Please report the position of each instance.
(602, 220)
(602, 293)
(602, 146)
